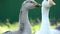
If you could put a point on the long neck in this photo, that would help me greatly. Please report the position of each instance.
(45, 26)
(45, 17)
(24, 21)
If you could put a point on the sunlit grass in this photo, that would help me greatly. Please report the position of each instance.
(13, 27)
(8, 27)
(35, 28)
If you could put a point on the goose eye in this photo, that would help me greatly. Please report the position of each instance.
(31, 2)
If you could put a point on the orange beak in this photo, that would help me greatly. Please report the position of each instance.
(52, 2)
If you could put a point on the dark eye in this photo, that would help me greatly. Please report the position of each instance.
(31, 2)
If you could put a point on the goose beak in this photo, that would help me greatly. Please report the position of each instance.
(37, 5)
(52, 3)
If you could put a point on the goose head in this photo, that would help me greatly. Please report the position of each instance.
(48, 3)
(30, 4)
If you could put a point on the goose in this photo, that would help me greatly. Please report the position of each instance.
(45, 25)
(24, 24)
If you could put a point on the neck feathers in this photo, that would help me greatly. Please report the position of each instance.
(24, 24)
(45, 26)
(45, 17)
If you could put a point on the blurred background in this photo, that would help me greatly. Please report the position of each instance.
(9, 15)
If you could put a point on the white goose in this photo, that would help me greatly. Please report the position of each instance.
(24, 24)
(45, 26)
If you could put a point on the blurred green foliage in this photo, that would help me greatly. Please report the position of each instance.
(11, 8)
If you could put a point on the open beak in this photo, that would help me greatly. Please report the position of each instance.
(52, 3)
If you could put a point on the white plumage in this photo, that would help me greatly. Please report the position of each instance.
(45, 25)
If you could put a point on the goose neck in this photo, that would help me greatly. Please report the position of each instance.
(24, 25)
(45, 19)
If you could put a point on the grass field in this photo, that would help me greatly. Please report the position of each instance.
(13, 27)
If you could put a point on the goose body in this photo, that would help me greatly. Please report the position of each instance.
(24, 24)
(45, 25)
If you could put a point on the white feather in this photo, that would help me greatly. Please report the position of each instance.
(45, 25)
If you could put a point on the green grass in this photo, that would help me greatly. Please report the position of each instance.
(13, 27)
